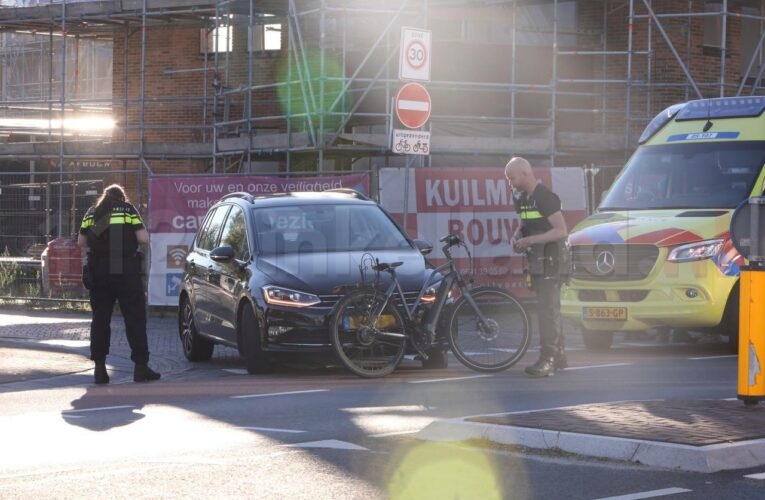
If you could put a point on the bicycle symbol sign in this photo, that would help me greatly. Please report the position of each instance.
(414, 142)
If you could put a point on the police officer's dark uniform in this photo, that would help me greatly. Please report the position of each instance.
(115, 271)
(546, 271)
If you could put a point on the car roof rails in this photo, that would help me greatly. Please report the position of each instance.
(239, 194)
(350, 192)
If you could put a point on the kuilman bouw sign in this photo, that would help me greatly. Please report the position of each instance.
(476, 204)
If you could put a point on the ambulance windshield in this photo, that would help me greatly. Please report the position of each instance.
(687, 175)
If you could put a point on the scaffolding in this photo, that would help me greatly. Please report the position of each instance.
(564, 83)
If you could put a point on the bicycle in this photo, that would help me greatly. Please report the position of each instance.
(402, 145)
(488, 330)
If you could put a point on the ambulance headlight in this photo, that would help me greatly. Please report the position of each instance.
(696, 251)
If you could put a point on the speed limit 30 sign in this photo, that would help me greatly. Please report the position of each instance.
(415, 55)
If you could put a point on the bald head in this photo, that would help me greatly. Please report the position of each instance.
(520, 175)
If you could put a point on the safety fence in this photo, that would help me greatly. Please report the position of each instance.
(40, 213)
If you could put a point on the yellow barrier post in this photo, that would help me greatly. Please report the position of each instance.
(751, 344)
(751, 330)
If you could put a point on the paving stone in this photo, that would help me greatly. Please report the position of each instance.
(685, 422)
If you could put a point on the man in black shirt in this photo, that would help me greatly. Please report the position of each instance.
(112, 231)
(541, 237)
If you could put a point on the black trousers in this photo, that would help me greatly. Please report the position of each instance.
(127, 289)
(551, 339)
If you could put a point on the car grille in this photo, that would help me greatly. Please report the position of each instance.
(613, 262)
(329, 301)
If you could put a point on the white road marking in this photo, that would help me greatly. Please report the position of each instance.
(102, 408)
(397, 433)
(445, 379)
(278, 394)
(328, 443)
(715, 357)
(649, 494)
(387, 409)
(270, 429)
(595, 366)
(759, 475)
(236, 371)
(65, 342)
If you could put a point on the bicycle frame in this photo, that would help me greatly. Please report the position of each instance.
(433, 314)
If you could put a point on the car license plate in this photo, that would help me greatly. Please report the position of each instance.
(384, 321)
(610, 313)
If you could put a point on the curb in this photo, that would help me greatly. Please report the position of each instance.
(710, 458)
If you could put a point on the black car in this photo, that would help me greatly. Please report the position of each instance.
(264, 272)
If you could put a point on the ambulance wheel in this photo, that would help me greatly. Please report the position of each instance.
(597, 340)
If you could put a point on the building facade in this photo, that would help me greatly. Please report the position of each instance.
(123, 90)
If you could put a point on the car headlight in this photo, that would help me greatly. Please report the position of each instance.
(429, 296)
(696, 251)
(278, 295)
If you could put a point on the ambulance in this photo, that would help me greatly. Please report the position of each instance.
(657, 252)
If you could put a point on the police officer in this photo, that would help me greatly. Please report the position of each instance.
(541, 235)
(112, 231)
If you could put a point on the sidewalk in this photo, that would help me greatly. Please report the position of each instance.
(697, 436)
(44, 350)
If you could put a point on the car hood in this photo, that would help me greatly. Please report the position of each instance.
(328, 273)
(662, 228)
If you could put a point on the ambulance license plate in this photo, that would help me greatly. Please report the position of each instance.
(609, 313)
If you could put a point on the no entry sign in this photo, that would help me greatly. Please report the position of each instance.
(413, 105)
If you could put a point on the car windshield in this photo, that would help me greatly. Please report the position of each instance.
(687, 175)
(325, 228)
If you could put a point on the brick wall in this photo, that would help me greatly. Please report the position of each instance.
(179, 96)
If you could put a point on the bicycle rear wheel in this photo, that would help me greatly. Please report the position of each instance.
(368, 344)
(500, 344)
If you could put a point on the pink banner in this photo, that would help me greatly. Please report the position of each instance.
(178, 204)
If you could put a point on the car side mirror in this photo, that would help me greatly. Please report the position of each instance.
(222, 254)
(423, 246)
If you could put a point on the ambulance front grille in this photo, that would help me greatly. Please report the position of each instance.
(607, 262)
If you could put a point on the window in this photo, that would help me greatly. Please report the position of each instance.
(217, 40)
(325, 227)
(265, 37)
(687, 175)
(533, 25)
(713, 25)
(207, 238)
(235, 234)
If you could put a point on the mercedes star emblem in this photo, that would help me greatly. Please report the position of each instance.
(605, 262)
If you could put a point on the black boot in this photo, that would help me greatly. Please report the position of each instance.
(544, 367)
(143, 373)
(560, 361)
(99, 374)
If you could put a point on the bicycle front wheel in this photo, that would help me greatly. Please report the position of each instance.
(368, 340)
(498, 343)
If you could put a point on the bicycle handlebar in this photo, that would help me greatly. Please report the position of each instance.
(450, 240)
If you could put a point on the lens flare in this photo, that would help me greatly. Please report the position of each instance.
(437, 470)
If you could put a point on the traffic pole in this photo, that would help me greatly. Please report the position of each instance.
(751, 330)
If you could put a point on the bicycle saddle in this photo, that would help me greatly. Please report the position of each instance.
(384, 266)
